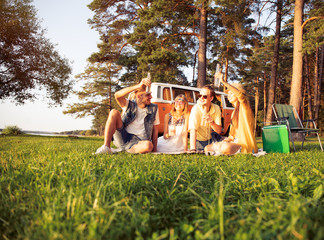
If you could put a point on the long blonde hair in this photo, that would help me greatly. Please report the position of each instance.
(235, 116)
(185, 110)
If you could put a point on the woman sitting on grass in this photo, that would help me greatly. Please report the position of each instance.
(241, 137)
(175, 137)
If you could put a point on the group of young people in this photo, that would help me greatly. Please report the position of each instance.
(135, 130)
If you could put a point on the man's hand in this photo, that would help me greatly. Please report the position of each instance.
(207, 118)
(145, 83)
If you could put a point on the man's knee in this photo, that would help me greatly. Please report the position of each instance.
(142, 147)
(148, 146)
(113, 114)
(229, 148)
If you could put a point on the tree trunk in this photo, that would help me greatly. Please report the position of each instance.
(202, 47)
(318, 80)
(256, 99)
(264, 96)
(274, 66)
(297, 76)
(194, 67)
(226, 65)
(302, 108)
(309, 92)
(226, 72)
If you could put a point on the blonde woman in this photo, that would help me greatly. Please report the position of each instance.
(241, 137)
(175, 137)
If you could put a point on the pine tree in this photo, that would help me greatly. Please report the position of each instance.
(234, 35)
(96, 95)
(275, 61)
(296, 83)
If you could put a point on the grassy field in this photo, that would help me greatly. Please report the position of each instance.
(54, 188)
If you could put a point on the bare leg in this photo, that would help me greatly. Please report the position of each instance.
(223, 147)
(142, 147)
(229, 148)
(209, 148)
(114, 122)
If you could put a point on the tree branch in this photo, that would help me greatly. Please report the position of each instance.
(179, 34)
(310, 19)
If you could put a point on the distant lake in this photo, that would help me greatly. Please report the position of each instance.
(50, 134)
(43, 133)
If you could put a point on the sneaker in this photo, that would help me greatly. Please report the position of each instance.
(103, 149)
(116, 150)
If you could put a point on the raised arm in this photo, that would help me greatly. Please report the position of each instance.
(229, 86)
(120, 95)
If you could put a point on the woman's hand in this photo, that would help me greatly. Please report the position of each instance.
(220, 76)
(228, 139)
(166, 136)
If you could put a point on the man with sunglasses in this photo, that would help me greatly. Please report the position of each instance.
(205, 121)
(134, 131)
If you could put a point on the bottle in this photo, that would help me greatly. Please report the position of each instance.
(148, 88)
(217, 80)
(172, 128)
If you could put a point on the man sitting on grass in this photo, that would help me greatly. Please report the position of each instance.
(135, 131)
(205, 121)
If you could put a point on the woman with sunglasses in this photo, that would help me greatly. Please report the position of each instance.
(175, 137)
(241, 137)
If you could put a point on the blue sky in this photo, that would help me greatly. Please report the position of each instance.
(66, 24)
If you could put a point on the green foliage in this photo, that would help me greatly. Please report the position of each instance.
(53, 187)
(141, 44)
(27, 59)
(314, 29)
(96, 95)
(90, 133)
(12, 130)
(163, 37)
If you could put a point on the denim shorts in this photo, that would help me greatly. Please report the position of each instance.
(125, 140)
(200, 145)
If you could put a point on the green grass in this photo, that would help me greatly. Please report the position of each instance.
(54, 188)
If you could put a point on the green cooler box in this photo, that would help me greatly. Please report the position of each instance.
(275, 138)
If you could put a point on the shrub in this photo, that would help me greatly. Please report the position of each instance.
(90, 132)
(12, 130)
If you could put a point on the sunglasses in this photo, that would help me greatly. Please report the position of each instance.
(179, 101)
(202, 96)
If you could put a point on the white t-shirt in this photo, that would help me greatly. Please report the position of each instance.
(137, 126)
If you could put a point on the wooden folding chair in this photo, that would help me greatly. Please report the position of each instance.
(288, 114)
